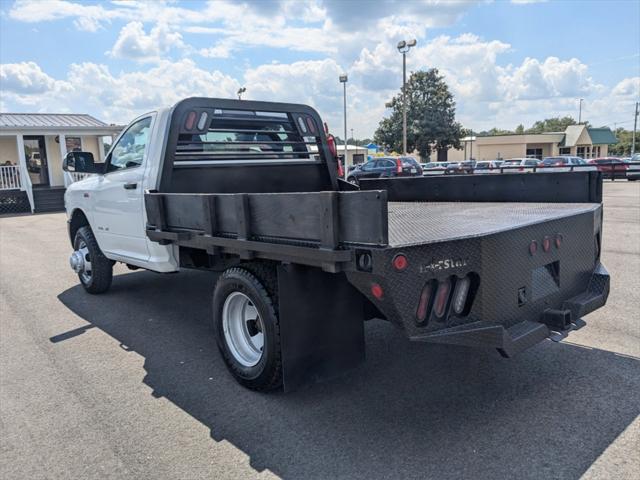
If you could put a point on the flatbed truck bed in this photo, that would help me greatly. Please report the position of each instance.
(422, 223)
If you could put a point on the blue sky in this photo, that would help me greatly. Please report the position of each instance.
(506, 62)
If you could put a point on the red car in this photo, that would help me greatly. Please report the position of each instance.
(611, 167)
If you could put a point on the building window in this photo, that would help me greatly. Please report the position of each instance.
(581, 152)
(565, 150)
(534, 152)
(595, 150)
(73, 144)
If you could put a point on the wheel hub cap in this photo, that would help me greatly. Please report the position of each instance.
(80, 261)
(243, 329)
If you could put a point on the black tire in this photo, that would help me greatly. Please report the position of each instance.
(259, 284)
(101, 267)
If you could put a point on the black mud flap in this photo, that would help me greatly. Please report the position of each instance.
(321, 325)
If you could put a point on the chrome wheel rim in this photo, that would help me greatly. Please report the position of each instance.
(85, 272)
(243, 329)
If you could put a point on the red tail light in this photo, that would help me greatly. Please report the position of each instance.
(331, 143)
(546, 244)
(191, 120)
(423, 304)
(442, 296)
(400, 262)
(398, 165)
(521, 169)
(376, 291)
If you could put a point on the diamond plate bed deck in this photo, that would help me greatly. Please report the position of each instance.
(420, 223)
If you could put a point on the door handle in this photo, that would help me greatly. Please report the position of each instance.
(130, 186)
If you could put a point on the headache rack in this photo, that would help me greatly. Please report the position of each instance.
(212, 141)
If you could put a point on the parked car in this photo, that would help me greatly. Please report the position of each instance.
(434, 168)
(525, 165)
(386, 167)
(633, 172)
(34, 163)
(565, 163)
(460, 168)
(611, 167)
(487, 166)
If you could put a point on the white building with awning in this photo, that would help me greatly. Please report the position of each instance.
(32, 146)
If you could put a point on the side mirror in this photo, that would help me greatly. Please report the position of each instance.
(81, 162)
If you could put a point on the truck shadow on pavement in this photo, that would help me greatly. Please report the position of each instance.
(411, 411)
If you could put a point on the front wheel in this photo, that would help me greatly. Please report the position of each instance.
(247, 328)
(94, 270)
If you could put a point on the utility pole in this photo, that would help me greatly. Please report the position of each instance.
(635, 126)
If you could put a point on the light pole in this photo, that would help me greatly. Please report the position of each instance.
(635, 126)
(580, 112)
(240, 92)
(343, 80)
(403, 48)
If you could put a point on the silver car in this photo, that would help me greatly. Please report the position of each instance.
(520, 165)
(565, 163)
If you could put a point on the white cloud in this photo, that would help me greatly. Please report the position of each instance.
(92, 88)
(356, 37)
(550, 78)
(87, 17)
(24, 78)
(133, 43)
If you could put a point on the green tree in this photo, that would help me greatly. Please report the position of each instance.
(555, 124)
(519, 129)
(431, 110)
(623, 147)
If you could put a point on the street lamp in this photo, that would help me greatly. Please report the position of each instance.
(343, 80)
(580, 112)
(403, 48)
(240, 92)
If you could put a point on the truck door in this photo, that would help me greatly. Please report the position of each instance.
(119, 196)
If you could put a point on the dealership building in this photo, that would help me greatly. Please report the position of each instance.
(577, 140)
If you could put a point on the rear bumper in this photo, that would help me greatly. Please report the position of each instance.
(554, 324)
(517, 296)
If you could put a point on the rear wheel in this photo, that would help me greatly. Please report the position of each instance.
(94, 270)
(247, 327)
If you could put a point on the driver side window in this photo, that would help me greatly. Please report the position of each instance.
(368, 166)
(129, 151)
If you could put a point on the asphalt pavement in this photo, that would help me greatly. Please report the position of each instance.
(130, 385)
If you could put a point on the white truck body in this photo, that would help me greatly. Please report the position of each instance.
(116, 214)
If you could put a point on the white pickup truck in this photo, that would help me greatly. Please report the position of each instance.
(252, 190)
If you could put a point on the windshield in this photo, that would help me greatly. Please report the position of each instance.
(409, 162)
(554, 160)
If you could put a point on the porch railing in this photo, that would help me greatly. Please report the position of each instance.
(10, 177)
(71, 177)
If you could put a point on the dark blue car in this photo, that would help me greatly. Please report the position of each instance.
(384, 167)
